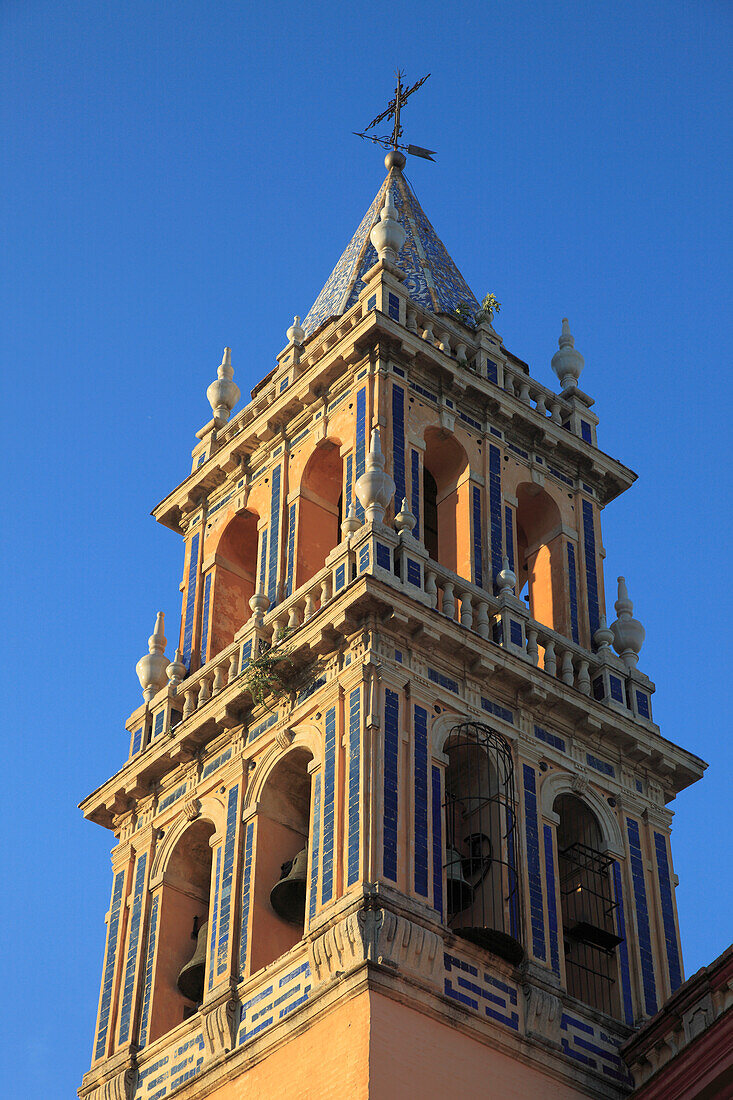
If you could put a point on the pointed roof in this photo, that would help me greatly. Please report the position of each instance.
(432, 279)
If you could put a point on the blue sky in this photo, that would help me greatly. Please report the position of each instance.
(181, 176)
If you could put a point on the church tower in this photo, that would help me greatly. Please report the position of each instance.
(393, 821)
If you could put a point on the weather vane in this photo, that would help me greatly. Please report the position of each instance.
(394, 107)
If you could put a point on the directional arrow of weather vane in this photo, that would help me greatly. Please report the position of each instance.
(393, 110)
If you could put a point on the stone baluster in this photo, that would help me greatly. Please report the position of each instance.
(583, 684)
(449, 603)
(204, 691)
(220, 677)
(189, 705)
(555, 412)
(444, 343)
(568, 672)
(461, 351)
(428, 333)
(466, 610)
(524, 391)
(294, 617)
(411, 320)
(431, 588)
(281, 626)
(532, 650)
(326, 589)
(541, 406)
(508, 382)
(259, 604)
(310, 603)
(550, 659)
(482, 619)
(233, 666)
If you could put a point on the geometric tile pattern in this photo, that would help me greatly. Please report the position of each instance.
(534, 875)
(549, 738)
(354, 789)
(495, 512)
(551, 900)
(132, 941)
(246, 894)
(214, 919)
(642, 918)
(420, 838)
(275, 1001)
(432, 279)
(670, 933)
(315, 847)
(109, 963)
(149, 959)
(171, 1070)
(291, 551)
(623, 947)
(193, 564)
(391, 749)
(225, 898)
(465, 983)
(329, 790)
(398, 444)
(589, 545)
(593, 1047)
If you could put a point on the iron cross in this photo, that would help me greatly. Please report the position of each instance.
(393, 110)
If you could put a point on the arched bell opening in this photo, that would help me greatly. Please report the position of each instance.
(482, 880)
(281, 859)
(320, 509)
(446, 502)
(234, 581)
(540, 567)
(587, 906)
(184, 900)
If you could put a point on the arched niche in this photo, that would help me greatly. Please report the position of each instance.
(320, 509)
(540, 565)
(234, 580)
(555, 784)
(184, 895)
(282, 812)
(446, 504)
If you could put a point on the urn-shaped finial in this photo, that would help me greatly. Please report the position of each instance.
(603, 637)
(506, 579)
(628, 633)
(388, 236)
(176, 670)
(567, 363)
(223, 394)
(296, 332)
(404, 520)
(375, 487)
(259, 604)
(351, 524)
(151, 669)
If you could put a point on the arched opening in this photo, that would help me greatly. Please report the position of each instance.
(446, 502)
(182, 923)
(482, 883)
(540, 564)
(283, 827)
(320, 509)
(587, 905)
(234, 580)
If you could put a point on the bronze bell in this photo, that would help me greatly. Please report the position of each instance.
(460, 893)
(287, 896)
(191, 978)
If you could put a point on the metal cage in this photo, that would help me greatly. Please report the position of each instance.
(481, 859)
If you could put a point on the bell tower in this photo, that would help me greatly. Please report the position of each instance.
(394, 816)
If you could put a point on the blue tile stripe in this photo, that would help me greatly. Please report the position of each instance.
(642, 917)
(589, 545)
(190, 610)
(214, 919)
(349, 495)
(420, 841)
(437, 808)
(478, 572)
(272, 568)
(227, 880)
(360, 448)
(263, 559)
(391, 748)
(495, 512)
(513, 877)
(415, 490)
(534, 873)
(113, 931)
(246, 895)
(132, 946)
(552, 921)
(509, 534)
(137, 741)
(205, 618)
(354, 831)
(670, 931)
(315, 848)
(149, 960)
(623, 947)
(291, 550)
(398, 444)
(329, 793)
(573, 587)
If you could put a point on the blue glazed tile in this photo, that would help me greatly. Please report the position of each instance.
(190, 609)
(398, 444)
(246, 895)
(492, 371)
(585, 432)
(415, 479)
(391, 747)
(589, 545)
(549, 738)
(478, 572)
(414, 573)
(225, 906)
(384, 557)
(573, 586)
(109, 964)
(132, 946)
(551, 900)
(642, 704)
(329, 780)
(533, 862)
(291, 551)
(599, 765)
(205, 618)
(670, 931)
(315, 848)
(642, 917)
(443, 680)
(354, 831)
(360, 447)
(497, 710)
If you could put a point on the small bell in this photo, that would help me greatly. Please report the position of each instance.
(460, 893)
(287, 896)
(191, 978)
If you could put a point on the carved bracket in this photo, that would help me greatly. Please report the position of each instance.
(381, 937)
(220, 1026)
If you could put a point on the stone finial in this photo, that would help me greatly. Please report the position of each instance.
(176, 670)
(375, 487)
(567, 363)
(351, 524)
(506, 579)
(296, 332)
(628, 633)
(404, 520)
(603, 637)
(259, 604)
(388, 236)
(151, 669)
(223, 394)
